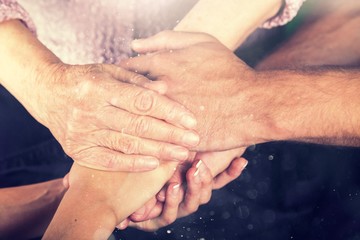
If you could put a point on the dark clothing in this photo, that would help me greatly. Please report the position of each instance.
(28, 151)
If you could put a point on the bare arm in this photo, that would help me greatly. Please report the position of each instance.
(26, 211)
(309, 105)
(97, 201)
(321, 105)
(231, 21)
(97, 110)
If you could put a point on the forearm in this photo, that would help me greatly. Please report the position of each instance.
(231, 21)
(22, 59)
(321, 106)
(81, 216)
(26, 211)
(110, 196)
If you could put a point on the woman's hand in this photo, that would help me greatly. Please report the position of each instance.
(179, 199)
(103, 116)
(111, 119)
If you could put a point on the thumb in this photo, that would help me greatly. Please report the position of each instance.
(170, 40)
(66, 182)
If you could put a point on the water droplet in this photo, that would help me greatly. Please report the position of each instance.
(226, 215)
(252, 147)
(250, 227)
(168, 231)
(271, 157)
(252, 194)
(243, 212)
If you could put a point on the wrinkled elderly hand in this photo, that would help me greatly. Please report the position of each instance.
(108, 118)
(209, 80)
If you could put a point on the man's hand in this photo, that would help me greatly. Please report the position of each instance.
(209, 80)
(108, 118)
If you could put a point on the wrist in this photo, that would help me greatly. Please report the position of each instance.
(48, 78)
(255, 115)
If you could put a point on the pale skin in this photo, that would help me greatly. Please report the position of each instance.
(231, 23)
(222, 178)
(42, 69)
(119, 118)
(113, 196)
(232, 172)
(291, 55)
(252, 113)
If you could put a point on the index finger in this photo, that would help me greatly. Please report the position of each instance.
(146, 102)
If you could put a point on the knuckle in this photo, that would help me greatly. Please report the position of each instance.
(206, 199)
(207, 178)
(144, 101)
(167, 220)
(141, 126)
(136, 79)
(172, 136)
(108, 162)
(164, 152)
(171, 112)
(129, 146)
(132, 165)
(192, 208)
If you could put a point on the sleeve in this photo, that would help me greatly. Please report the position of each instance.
(10, 9)
(286, 14)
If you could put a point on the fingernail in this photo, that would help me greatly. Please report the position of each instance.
(136, 44)
(245, 164)
(176, 189)
(191, 139)
(198, 164)
(179, 153)
(150, 162)
(122, 225)
(188, 121)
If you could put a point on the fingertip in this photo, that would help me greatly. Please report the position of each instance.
(189, 121)
(123, 225)
(160, 87)
(174, 189)
(147, 163)
(136, 45)
(245, 163)
(65, 181)
(161, 195)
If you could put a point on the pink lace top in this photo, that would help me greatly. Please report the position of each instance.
(92, 31)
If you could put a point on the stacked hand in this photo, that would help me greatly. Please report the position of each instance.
(171, 59)
(210, 81)
(183, 195)
(108, 118)
(185, 67)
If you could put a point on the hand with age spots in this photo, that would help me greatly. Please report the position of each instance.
(111, 119)
(103, 116)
